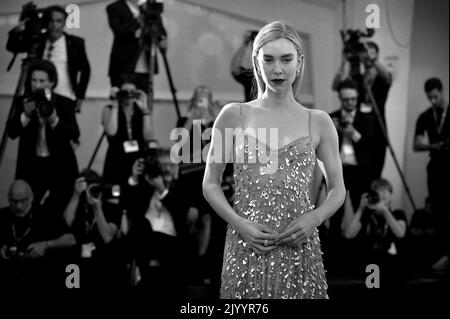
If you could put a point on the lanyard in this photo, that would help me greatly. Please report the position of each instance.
(14, 232)
(439, 126)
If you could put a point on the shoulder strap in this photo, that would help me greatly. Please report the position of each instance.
(309, 121)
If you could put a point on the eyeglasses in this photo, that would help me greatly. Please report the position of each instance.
(348, 99)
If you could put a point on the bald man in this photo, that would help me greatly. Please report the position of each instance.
(27, 235)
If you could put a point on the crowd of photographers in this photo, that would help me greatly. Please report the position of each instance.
(143, 221)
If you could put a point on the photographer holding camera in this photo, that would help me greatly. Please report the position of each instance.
(356, 131)
(157, 212)
(127, 126)
(378, 79)
(377, 230)
(434, 124)
(31, 241)
(94, 220)
(126, 19)
(67, 52)
(45, 123)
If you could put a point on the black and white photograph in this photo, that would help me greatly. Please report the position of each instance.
(214, 157)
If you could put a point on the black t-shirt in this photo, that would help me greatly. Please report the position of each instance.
(375, 235)
(426, 123)
(37, 226)
(84, 227)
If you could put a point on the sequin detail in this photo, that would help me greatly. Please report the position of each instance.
(273, 198)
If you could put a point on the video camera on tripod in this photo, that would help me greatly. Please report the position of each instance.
(354, 49)
(151, 17)
(35, 23)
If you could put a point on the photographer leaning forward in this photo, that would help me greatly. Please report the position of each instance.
(375, 76)
(127, 125)
(433, 135)
(45, 123)
(128, 25)
(378, 231)
(33, 243)
(94, 219)
(67, 52)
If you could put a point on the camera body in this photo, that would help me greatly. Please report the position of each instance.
(125, 94)
(97, 188)
(43, 101)
(373, 198)
(353, 47)
(14, 252)
(344, 122)
(152, 167)
(36, 23)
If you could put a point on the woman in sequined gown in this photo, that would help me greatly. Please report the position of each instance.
(272, 248)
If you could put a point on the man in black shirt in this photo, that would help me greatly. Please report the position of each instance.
(435, 125)
(378, 230)
(30, 239)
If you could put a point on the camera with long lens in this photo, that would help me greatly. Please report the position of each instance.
(353, 47)
(43, 101)
(152, 167)
(97, 188)
(373, 198)
(127, 94)
(35, 24)
(14, 252)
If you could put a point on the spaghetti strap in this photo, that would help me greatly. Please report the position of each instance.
(309, 122)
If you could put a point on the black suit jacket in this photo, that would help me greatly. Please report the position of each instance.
(136, 199)
(124, 52)
(77, 61)
(364, 123)
(58, 138)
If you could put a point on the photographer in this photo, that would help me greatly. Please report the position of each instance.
(157, 212)
(94, 220)
(31, 241)
(378, 79)
(45, 123)
(241, 64)
(377, 230)
(67, 52)
(208, 228)
(127, 126)
(127, 22)
(434, 125)
(356, 131)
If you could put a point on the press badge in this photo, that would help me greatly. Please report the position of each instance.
(130, 146)
(87, 249)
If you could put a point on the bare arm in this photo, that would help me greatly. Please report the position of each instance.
(212, 189)
(328, 152)
(421, 145)
(110, 119)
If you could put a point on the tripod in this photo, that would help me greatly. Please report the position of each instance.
(369, 93)
(18, 92)
(149, 40)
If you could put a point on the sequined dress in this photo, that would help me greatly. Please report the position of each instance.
(274, 199)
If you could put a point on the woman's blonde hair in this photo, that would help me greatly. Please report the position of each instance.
(271, 32)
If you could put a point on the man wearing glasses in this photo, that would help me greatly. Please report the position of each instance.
(67, 52)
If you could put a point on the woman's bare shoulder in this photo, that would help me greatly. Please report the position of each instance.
(320, 118)
(229, 114)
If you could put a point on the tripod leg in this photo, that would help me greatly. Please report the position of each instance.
(389, 145)
(172, 86)
(19, 91)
